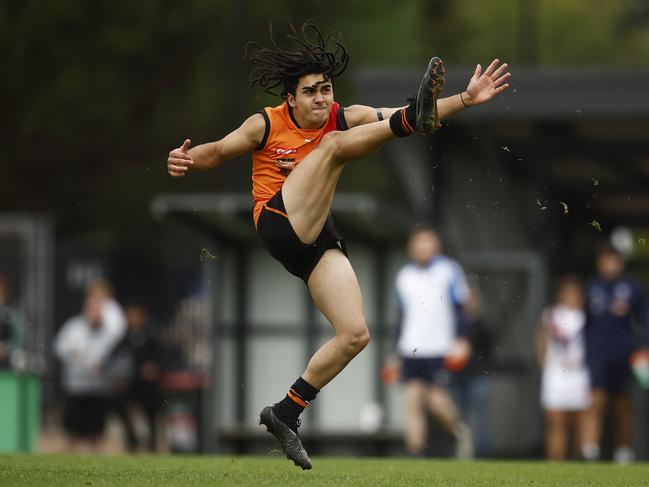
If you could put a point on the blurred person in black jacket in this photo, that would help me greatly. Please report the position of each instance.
(12, 326)
(141, 349)
(470, 386)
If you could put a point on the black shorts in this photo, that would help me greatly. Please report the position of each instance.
(85, 415)
(429, 370)
(279, 238)
(611, 374)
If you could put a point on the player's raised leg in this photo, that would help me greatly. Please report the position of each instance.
(309, 190)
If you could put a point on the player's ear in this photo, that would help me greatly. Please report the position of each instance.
(291, 100)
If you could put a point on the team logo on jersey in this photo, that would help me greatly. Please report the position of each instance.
(283, 160)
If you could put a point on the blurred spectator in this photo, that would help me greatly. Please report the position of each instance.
(431, 338)
(615, 302)
(12, 326)
(565, 393)
(142, 347)
(471, 385)
(83, 345)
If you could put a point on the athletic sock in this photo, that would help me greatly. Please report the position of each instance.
(404, 121)
(297, 400)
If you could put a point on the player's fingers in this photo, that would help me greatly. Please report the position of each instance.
(186, 145)
(178, 164)
(477, 71)
(179, 154)
(492, 66)
(501, 69)
(502, 78)
(176, 173)
(177, 168)
(185, 161)
(502, 88)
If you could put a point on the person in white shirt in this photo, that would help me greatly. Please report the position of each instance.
(83, 345)
(564, 380)
(431, 339)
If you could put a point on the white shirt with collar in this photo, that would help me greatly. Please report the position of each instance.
(428, 297)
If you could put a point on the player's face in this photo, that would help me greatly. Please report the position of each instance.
(610, 266)
(312, 101)
(92, 310)
(423, 247)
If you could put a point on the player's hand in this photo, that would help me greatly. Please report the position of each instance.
(484, 86)
(391, 370)
(179, 160)
(459, 356)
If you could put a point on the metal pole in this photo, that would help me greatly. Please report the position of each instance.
(241, 334)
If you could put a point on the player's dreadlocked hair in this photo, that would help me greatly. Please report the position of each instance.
(273, 66)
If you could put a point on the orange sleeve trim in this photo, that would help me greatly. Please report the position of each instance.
(297, 400)
(266, 207)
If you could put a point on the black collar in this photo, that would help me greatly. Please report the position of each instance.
(290, 113)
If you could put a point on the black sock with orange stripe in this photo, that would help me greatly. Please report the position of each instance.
(297, 400)
(404, 121)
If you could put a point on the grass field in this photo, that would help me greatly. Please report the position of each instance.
(69, 470)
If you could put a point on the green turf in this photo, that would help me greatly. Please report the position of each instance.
(54, 470)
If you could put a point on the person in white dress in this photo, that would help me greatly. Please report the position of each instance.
(564, 379)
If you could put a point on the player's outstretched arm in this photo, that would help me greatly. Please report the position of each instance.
(205, 156)
(482, 88)
(361, 114)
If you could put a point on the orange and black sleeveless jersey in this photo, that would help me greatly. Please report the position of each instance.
(283, 147)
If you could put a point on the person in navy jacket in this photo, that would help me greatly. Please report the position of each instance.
(617, 322)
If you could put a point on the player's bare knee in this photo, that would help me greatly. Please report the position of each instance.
(330, 143)
(356, 340)
(362, 338)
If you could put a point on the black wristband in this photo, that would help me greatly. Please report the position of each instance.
(462, 100)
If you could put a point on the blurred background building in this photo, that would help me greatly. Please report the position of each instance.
(95, 94)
